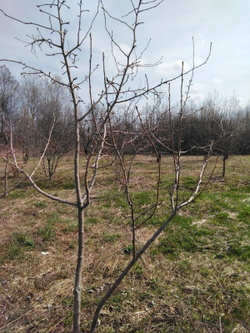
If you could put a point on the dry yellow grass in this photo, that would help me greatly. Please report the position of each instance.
(202, 287)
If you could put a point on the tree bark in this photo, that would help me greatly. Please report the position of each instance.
(225, 157)
(79, 268)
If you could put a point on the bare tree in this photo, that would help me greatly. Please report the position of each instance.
(118, 89)
(139, 219)
(7, 154)
(8, 98)
(242, 144)
(221, 126)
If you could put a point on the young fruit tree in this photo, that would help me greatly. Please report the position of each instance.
(219, 118)
(113, 81)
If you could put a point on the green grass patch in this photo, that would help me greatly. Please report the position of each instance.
(121, 201)
(184, 237)
(189, 183)
(142, 198)
(237, 251)
(91, 220)
(48, 232)
(70, 226)
(19, 243)
(183, 221)
(244, 214)
(69, 186)
(222, 218)
(128, 250)
(110, 238)
(41, 204)
(23, 240)
(156, 220)
(14, 251)
(18, 194)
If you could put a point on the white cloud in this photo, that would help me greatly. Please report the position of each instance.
(171, 27)
(167, 69)
(216, 81)
(198, 92)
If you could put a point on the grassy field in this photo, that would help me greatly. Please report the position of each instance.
(195, 278)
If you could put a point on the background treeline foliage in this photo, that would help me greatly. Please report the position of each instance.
(31, 108)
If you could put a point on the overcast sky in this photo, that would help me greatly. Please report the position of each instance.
(171, 26)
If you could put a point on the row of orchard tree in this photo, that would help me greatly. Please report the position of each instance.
(31, 110)
(35, 109)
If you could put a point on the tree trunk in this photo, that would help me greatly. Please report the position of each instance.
(225, 157)
(78, 278)
(126, 270)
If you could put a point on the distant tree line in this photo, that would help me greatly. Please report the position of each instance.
(36, 108)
